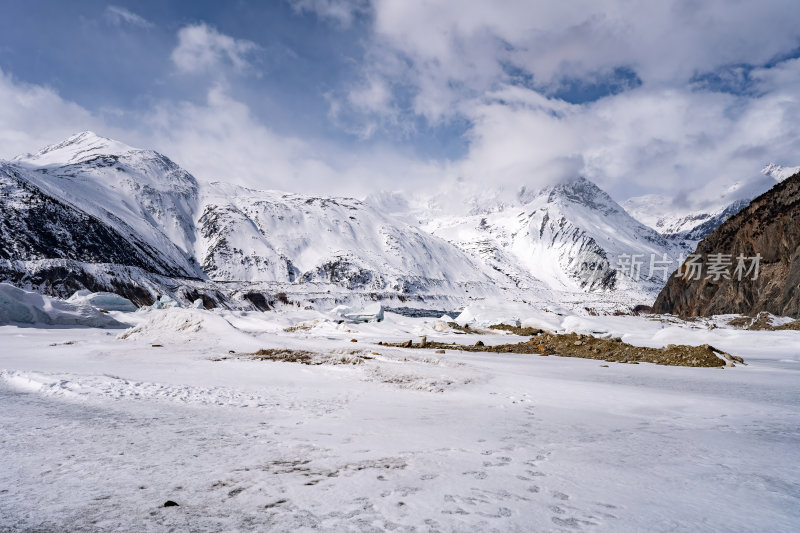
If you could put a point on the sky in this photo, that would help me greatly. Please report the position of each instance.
(350, 97)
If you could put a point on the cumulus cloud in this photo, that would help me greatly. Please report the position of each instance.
(119, 15)
(450, 52)
(221, 140)
(202, 48)
(685, 93)
(666, 140)
(664, 42)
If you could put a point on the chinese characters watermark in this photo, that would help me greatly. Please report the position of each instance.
(716, 267)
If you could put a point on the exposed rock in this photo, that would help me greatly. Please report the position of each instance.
(614, 350)
(769, 226)
(258, 300)
(517, 330)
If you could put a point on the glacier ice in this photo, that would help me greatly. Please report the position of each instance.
(371, 313)
(103, 300)
(18, 306)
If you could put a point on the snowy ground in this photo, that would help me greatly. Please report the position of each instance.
(97, 432)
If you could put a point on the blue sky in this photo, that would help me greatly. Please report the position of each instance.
(93, 57)
(352, 96)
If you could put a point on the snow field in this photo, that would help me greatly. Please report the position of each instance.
(100, 428)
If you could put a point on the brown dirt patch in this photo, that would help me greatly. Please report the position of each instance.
(588, 347)
(517, 330)
(460, 329)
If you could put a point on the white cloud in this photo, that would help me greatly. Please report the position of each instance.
(220, 139)
(459, 60)
(448, 53)
(667, 135)
(365, 108)
(202, 48)
(32, 116)
(119, 16)
(666, 140)
(216, 140)
(664, 41)
(660, 140)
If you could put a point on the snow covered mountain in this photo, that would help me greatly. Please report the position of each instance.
(272, 236)
(140, 193)
(778, 172)
(694, 221)
(94, 213)
(568, 237)
(39, 225)
(105, 203)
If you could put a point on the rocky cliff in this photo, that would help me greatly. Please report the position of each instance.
(769, 226)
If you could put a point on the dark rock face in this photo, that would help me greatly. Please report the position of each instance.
(55, 248)
(258, 300)
(61, 279)
(769, 226)
(34, 225)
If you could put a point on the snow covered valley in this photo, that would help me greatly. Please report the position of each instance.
(101, 427)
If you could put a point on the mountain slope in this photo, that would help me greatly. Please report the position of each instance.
(141, 193)
(52, 246)
(273, 236)
(140, 210)
(769, 226)
(36, 225)
(569, 236)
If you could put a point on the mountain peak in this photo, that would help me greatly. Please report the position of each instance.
(86, 135)
(75, 149)
(579, 191)
(778, 172)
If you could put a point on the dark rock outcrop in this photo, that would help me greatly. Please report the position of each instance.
(34, 225)
(769, 226)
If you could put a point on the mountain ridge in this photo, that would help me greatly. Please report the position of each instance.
(554, 243)
(215, 233)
